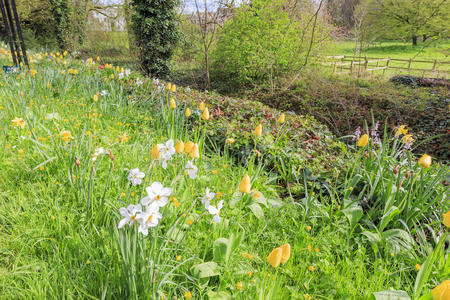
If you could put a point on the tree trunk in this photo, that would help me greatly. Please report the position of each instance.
(424, 38)
(414, 40)
(208, 80)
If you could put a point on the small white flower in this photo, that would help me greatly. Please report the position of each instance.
(167, 149)
(135, 176)
(191, 169)
(206, 200)
(129, 214)
(139, 82)
(51, 116)
(121, 75)
(158, 194)
(103, 93)
(215, 211)
(149, 218)
(98, 152)
(156, 81)
(127, 72)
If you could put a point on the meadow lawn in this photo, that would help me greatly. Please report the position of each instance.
(71, 135)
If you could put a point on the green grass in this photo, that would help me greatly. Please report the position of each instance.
(59, 208)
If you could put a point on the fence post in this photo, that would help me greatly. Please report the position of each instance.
(351, 67)
(409, 66)
(387, 66)
(434, 66)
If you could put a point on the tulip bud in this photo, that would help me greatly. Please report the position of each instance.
(447, 219)
(111, 156)
(179, 147)
(168, 86)
(258, 130)
(396, 170)
(188, 147)
(188, 112)
(281, 119)
(173, 104)
(155, 152)
(201, 107)
(367, 154)
(442, 291)
(285, 253)
(274, 257)
(245, 185)
(95, 97)
(363, 140)
(77, 161)
(174, 88)
(425, 161)
(205, 115)
(407, 175)
(194, 152)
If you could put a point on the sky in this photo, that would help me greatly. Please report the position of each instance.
(187, 5)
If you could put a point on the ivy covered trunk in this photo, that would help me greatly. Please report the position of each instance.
(156, 33)
(61, 11)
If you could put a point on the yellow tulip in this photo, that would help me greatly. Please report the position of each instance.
(447, 219)
(173, 104)
(95, 97)
(229, 141)
(274, 257)
(205, 115)
(168, 86)
(442, 291)
(258, 130)
(286, 253)
(194, 152)
(155, 152)
(245, 185)
(188, 112)
(281, 119)
(363, 140)
(173, 88)
(201, 106)
(425, 161)
(188, 147)
(179, 147)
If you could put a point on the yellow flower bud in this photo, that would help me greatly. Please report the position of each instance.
(173, 89)
(168, 86)
(425, 161)
(281, 119)
(286, 253)
(173, 104)
(188, 147)
(194, 152)
(239, 286)
(155, 152)
(205, 115)
(201, 107)
(258, 130)
(363, 140)
(245, 185)
(442, 291)
(274, 257)
(188, 112)
(179, 147)
(447, 219)
(95, 97)
(229, 141)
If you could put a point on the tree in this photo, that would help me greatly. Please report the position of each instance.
(341, 12)
(156, 33)
(407, 18)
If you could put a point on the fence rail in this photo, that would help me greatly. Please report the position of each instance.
(359, 65)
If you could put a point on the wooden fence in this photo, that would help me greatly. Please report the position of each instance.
(359, 65)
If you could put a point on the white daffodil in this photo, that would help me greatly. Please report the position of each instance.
(206, 200)
(103, 93)
(149, 218)
(167, 150)
(127, 72)
(158, 194)
(52, 116)
(191, 169)
(121, 75)
(215, 211)
(98, 152)
(156, 81)
(135, 176)
(129, 214)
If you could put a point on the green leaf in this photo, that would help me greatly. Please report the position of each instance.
(353, 213)
(372, 237)
(387, 217)
(390, 295)
(256, 210)
(235, 198)
(261, 199)
(220, 250)
(221, 295)
(205, 270)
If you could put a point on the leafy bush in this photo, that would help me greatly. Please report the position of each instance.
(261, 43)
